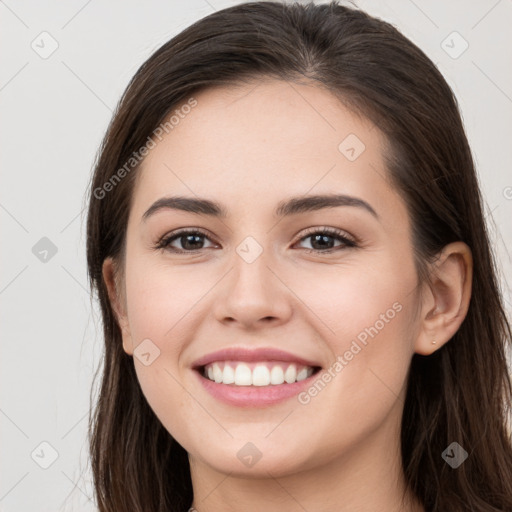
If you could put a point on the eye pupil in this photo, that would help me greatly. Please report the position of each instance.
(191, 238)
(322, 239)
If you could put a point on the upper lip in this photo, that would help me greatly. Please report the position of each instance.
(251, 355)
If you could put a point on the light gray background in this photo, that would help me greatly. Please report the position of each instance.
(54, 113)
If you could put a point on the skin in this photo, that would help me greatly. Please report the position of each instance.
(250, 147)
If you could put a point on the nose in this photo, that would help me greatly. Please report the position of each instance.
(253, 295)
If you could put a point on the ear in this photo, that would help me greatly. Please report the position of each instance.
(445, 300)
(111, 276)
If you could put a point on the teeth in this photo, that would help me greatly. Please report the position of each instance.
(243, 376)
(256, 374)
(276, 375)
(302, 374)
(290, 375)
(217, 373)
(228, 375)
(261, 376)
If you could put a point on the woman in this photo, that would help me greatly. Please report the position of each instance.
(245, 370)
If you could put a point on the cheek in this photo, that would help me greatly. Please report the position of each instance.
(365, 383)
(367, 323)
(160, 300)
(163, 305)
(362, 298)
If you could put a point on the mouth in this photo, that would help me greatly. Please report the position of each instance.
(258, 384)
(257, 373)
(254, 377)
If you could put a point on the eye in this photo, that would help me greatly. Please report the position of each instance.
(191, 240)
(321, 240)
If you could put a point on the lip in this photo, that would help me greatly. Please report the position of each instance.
(252, 355)
(253, 396)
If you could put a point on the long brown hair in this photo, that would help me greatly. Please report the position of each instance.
(461, 393)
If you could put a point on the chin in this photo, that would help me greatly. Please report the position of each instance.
(256, 459)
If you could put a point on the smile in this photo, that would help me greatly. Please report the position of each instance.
(265, 373)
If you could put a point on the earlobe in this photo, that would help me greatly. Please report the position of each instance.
(110, 277)
(446, 297)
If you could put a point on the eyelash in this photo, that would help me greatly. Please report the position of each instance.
(166, 240)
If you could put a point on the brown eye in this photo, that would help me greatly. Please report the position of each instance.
(322, 240)
(190, 241)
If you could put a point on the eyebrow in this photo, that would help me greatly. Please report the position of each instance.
(292, 206)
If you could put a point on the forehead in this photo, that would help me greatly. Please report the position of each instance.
(261, 141)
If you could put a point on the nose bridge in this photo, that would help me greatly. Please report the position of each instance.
(251, 273)
(252, 291)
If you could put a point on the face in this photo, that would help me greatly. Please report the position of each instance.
(333, 286)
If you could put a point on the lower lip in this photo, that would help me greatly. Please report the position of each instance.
(253, 396)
